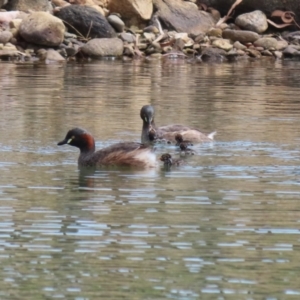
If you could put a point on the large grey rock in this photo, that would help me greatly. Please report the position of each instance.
(43, 29)
(267, 6)
(28, 5)
(254, 21)
(181, 16)
(103, 47)
(242, 36)
(85, 20)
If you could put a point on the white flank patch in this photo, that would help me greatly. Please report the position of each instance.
(211, 135)
(148, 157)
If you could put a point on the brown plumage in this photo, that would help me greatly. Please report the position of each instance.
(183, 145)
(169, 132)
(128, 154)
(169, 161)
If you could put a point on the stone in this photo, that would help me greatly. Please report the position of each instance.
(8, 53)
(243, 36)
(266, 53)
(222, 44)
(291, 51)
(103, 47)
(179, 16)
(254, 21)
(7, 16)
(278, 54)
(253, 53)
(266, 43)
(213, 55)
(133, 12)
(217, 32)
(86, 21)
(28, 5)
(267, 6)
(127, 37)
(116, 22)
(150, 37)
(239, 46)
(5, 36)
(151, 29)
(14, 26)
(49, 55)
(89, 3)
(43, 29)
(281, 45)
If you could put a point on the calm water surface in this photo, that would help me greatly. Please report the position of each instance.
(224, 226)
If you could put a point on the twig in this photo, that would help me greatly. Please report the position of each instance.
(224, 19)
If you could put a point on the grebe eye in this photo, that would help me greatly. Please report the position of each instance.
(71, 139)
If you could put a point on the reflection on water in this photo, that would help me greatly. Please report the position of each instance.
(224, 225)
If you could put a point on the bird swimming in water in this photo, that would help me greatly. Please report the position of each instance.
(129, 154)
(168, 132)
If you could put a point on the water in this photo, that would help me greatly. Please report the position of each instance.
(223, 226)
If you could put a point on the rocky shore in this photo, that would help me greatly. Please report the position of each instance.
(59, 31)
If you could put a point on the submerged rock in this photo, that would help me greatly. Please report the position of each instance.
(85, 20)
(182, 17)
(103, 47)
(254, 21)
(214, 55)
(43, 29)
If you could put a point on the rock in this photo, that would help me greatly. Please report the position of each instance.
(127, 37)
(254, 21)
(240, 52)
(217, 32)
(281, 45)
(43, 29)
(242, 36)
(28, 5)
(133, 12)
(86, 20)
(116, 22)
(291, 51)
(89, 3)
(151, 29)
(213, 55)
(222, 44)
(103, 47)
(8, 53)
(266, 42)
(7, 16)
(5, 36)
(14, 26)
(179, 16)
(267, 6)
(199, 38)
(278, 54)
(239, 46)
(253, 53)
(267, 53)
(292, 37)
(150, 37)
(49, 55)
